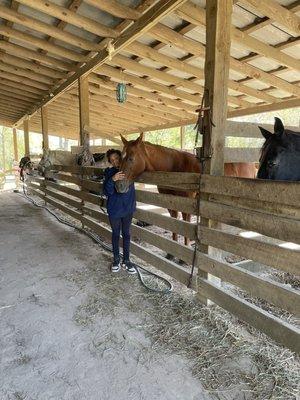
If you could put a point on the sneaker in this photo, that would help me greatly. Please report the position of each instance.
(116, 266)
(129, 267)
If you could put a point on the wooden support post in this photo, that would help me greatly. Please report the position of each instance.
(3, 149)
(45, 129)
(26, 137)
(182, 131)
(16, 158)
(15, 141)
(217, 56)
(84, 109)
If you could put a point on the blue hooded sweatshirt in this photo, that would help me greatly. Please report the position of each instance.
(119, 205)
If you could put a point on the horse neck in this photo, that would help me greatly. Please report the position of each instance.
(159, 158)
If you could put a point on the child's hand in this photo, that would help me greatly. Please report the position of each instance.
(118, 176)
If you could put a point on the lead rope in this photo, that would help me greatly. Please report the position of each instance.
(200, 129)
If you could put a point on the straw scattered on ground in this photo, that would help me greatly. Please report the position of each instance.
(231, 359)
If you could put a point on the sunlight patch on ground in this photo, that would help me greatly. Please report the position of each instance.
(249, 234)
(290, 245)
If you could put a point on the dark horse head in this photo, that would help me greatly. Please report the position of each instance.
(133, 162)
(280, 154)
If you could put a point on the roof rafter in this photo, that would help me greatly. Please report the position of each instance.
(277, 13)
(142, 25)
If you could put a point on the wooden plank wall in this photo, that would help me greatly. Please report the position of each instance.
(234, 201)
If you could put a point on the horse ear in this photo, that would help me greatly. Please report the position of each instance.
(140, 138)
(124, 140)
(278, 127)
(266, 134)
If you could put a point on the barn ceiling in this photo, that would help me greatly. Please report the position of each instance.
(45, 45)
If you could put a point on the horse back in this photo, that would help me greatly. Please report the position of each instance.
(240, 170)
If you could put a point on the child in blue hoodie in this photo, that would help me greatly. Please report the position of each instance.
(120, 208)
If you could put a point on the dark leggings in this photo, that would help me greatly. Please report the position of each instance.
(116, 224)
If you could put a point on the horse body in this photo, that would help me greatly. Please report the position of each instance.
(139, 156)
(280, 155)
(66, 158)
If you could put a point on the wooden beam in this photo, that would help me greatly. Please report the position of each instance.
(26, 81)
(140, 27)
(195, 14)
(217, 58)
(99, 133)
(43, 44)
(156, 99)
(147, 52)
(26, 89)
(84, 107)
(29, 65)
(277, 329)
(115, 8)
(42, 27)
(257, 109)
(35, 76)
(260, 23)
(45, 128)
(177, 82)
(277, 13)
(64, 14)
(15, 141)
(26, 136)
(218, 25)
(172, 38)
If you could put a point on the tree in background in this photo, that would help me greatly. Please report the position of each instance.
(7, 147)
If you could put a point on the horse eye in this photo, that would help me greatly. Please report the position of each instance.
(271, 163)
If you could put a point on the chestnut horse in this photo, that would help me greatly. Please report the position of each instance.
(139, 156)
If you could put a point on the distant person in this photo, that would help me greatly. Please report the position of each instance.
(120, 208)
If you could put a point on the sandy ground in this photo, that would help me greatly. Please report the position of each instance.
(64, 337)
(70, 330)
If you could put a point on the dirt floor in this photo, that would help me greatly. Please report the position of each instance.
(70, 330)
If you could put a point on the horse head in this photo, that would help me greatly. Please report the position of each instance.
(45, 162)
(26, 167)
(133, 162)
(280, 154)
(85, 157)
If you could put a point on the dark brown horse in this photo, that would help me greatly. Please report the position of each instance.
(140, 156)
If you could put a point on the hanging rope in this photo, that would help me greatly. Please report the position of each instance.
(204, 113)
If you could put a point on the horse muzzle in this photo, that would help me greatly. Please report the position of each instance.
(122, 186)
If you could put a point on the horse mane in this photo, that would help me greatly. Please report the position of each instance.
(164, 148)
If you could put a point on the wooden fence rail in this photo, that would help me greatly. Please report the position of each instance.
(269, 208)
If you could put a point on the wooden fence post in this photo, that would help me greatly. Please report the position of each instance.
(218, 27)
(26, 137)
(15, 141)
(84, 108)
(16, 157)
(84, 120)
(45, 128)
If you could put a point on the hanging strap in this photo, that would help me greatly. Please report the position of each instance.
(200, 127)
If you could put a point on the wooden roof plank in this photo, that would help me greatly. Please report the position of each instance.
(277, 13)
(115, 8)
(70, 17)
(42, 27)
(141, 26)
